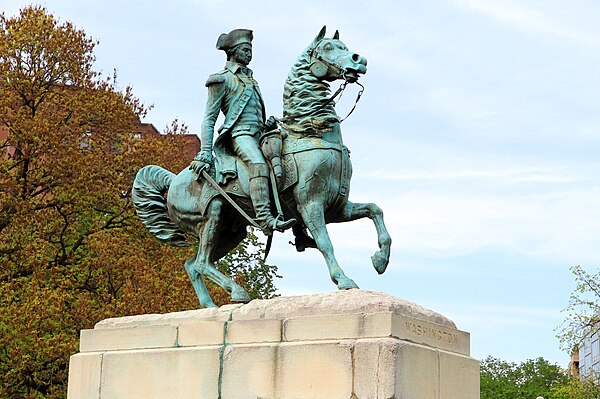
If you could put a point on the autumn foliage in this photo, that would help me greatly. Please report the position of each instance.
(72, 251)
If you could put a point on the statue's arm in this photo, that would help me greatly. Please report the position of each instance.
(216, 93)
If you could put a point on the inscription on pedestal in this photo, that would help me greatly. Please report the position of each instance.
(435, 335)
(431, 332)
(388, 324)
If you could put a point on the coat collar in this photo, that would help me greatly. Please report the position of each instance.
(235, 67)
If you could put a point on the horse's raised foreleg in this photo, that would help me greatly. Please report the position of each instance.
(205, 266)
(354, 211)
(314, 218)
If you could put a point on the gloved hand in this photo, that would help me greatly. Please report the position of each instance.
(270, 124)
(202, 161)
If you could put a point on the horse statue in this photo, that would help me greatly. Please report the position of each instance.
(313, 189)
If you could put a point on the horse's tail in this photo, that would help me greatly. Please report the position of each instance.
(150, 185)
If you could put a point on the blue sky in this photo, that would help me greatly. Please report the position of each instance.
(478, 135)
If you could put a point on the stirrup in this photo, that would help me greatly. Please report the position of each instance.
(285, 224)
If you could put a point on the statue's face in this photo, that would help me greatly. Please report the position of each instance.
(242, 54)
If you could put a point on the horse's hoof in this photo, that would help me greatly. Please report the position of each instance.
(346, 284)
(240, 296)
(208, 305)
(380, 262)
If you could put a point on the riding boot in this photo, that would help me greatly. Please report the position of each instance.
(302, 239)
(259, 194)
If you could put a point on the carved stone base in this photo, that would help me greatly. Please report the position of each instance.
(346, 344)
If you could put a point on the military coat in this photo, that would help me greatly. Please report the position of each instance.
(228, 92)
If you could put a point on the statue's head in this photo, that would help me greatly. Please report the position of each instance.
(237, 44)
(331, 59)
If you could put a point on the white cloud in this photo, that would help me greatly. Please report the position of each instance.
(11, 7)
(553, 226)
(501, 176)
(459, 104)
(529, 19)
(545, 212)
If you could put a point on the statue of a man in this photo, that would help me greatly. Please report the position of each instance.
(235, 92)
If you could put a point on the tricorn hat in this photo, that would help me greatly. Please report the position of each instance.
(229, 40)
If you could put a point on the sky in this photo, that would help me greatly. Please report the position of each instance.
(478, 135)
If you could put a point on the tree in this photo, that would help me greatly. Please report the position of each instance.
(72, 251)
(530, 379)
(498, 379)
(247, 263)
(583, 312)
(576, 389)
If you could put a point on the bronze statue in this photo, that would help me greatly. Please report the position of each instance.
(311, 186)
(235, 92)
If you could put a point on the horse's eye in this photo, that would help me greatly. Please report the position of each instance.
(328, 47)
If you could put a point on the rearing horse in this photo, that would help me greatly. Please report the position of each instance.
(315, 191)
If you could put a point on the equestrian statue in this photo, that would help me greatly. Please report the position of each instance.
(299, 160)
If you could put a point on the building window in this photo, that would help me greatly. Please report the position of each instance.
(86, 141)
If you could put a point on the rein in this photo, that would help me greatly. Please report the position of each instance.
(358, 96)
(338, 92)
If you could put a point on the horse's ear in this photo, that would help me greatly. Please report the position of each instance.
(321, 34)
(336, 35)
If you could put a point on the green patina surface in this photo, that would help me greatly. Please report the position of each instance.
(301, 153)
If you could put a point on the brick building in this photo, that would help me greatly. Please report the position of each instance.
(8, 151)
(192, 142)
(142, 129)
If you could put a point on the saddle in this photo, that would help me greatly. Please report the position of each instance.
(238, 187)
(234, 179)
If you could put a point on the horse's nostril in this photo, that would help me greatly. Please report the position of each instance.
(355, 57)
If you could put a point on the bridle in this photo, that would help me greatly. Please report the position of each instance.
(318, 67)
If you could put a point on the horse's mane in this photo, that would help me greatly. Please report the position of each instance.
(304, 98)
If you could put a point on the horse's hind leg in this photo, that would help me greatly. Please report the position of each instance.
(314, 218)
(208, 241)
(354, 211)
(194, 273)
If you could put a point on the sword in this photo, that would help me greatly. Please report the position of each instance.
(229, 199)
(241, 211)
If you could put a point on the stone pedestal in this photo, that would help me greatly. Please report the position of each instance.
(346, 344)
